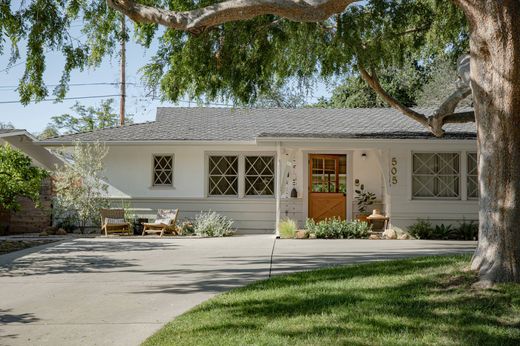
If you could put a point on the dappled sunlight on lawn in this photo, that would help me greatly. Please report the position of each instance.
(420, 301)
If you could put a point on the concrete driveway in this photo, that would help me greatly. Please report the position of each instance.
(120, 291)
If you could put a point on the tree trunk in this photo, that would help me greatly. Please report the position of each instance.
(495, 80)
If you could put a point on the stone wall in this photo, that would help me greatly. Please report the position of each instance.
(30, 219)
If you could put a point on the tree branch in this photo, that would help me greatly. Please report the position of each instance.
(447, 108)
(197, 21)
(373, 82)
(443, 115)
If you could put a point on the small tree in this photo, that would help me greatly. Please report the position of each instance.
(80, 186)
(85, 119)
(6, 126)
(18, 178)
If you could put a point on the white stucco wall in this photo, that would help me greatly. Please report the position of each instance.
(406, 210)
(129, 172)
(129, 169)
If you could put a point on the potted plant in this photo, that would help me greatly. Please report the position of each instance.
(364, 200)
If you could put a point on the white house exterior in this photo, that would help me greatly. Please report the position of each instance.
(245, 163)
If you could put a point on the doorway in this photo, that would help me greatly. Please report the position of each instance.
(327, 186)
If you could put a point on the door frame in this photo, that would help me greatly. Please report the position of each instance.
(350, 178)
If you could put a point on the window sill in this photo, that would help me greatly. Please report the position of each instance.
(240, 198)
(446, 200)
(161, 187)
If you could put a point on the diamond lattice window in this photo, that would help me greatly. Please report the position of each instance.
(472, 175)
(436, 175)
(162, 170)
(259, 175)
(223, 176)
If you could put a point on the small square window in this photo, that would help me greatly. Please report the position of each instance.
(163, 170)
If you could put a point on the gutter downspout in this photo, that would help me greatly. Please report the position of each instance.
(278, 186)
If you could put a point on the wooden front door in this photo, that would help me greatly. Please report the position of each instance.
(327, 186)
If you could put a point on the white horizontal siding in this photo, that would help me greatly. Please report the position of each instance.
(406, 211)
(249, 215)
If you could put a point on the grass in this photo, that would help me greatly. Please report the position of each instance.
(423, 301)
(287, 228)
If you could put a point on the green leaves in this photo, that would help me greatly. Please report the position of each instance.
(87, 118)
(18, 178)
(237, 60)
(80, 185)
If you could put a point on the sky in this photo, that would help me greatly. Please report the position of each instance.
(35, 116)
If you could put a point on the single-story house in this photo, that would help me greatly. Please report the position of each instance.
(258, 166)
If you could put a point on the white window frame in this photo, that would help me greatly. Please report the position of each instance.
(241, 173)
(207, 176)
(162, 186)
(467, 154)
(273, 157)
(435, 198)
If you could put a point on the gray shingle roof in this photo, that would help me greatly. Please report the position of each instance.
(232, 124)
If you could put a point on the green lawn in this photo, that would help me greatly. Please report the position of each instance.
(423, 301)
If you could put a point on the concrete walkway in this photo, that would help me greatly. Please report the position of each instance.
(120, 291)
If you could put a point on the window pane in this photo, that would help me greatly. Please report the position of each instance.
(436, 175)
(223, 175)
(447, 163)
(162, 170)
(472, 175)
(259, 175)
(424, 163)
(423, 186)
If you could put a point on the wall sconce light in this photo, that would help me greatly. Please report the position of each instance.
(364, 156)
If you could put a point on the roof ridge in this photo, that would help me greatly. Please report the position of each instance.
(102, 129)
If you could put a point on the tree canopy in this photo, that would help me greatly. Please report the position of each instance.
(236, 60)
(84, 119)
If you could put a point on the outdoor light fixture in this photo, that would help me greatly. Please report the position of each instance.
(364, 156)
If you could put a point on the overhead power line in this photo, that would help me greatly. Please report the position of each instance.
(72, 85)
(117, 95)
(65, 98)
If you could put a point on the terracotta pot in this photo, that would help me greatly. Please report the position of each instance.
(362, 218)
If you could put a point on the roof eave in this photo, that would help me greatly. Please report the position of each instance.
(359, 139)
(149, 142)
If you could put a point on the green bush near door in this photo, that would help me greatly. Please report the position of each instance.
(336, 228)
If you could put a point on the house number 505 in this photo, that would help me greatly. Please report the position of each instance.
(393, 171)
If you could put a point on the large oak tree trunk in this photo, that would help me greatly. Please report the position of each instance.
(495, 80)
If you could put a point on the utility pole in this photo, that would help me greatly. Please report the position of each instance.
(122, 83)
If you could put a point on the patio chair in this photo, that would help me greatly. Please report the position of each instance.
(113, 221)
(164, 222)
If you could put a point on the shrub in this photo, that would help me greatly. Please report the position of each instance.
(211, 224)
(442, 232)
(422, 229)
(187, 228)
(18, 178)
(361, 230)
(467, 230)
(336, 228)
(68, 223)
(287, 228)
